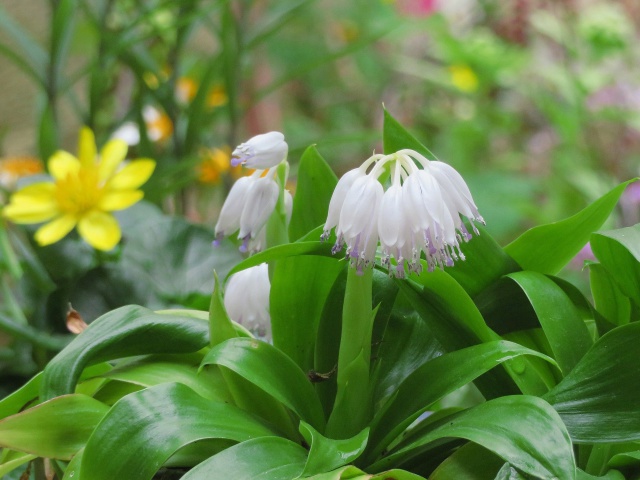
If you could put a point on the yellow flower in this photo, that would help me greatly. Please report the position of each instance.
(463, 78)
(158, 123)
(14, 168)
(83, 193)
(214, 162)
(217, 96)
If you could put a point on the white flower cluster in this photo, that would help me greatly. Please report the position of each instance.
(252, 199)
(419, 213)
(246, 300)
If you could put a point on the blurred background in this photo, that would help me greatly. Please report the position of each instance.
(536, 103)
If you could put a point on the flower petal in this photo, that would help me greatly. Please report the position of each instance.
(61, 164)
(111, 156)
(33, 204)
(87, 147)
(119, 200)
(55, 230)
(132, 175)
(100, 230)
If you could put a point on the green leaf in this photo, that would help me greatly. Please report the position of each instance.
(432, 381)
(315, 185)
(523, 430)
(353, 473)
(154, 370)
(47, 132)
(54, 429)
(271, 370)
(220, 325)
(265, 458)
(123, 332)
(32, 51)
(327, 454)
(396, 137)
(469, 462)
(609, 300)
(599, 400)
(145, 428)
(564, 329)
(618, 251)
(548, 248)
(280, 252)
(62, 28)
(10, 465)
(295, 318)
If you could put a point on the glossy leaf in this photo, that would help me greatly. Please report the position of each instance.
(54, 429)
(327, 454)
(567, 334)
(609, 300)
(548, 248)
(145, 428)
(353, 473)
(271, 370)
(315, 184)
(469, 462)
(523, 430)
(295, 318)
(123, 332)
(432, 381)
(619, 252)
(220, 325)
(265, 458)
(396, 137)
(599, 400)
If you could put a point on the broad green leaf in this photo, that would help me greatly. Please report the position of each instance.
(610, 475)
(145, 428)
(315, 185)
(432, 381)
(353, 473)
(599, 400)
(619, 252)
(625, 459)
(15, 462)
(396, 137)
(548, 248)
(57, 428)
(609, 300)
(566, 332)
(295, 318)
(280, 252)
(123, 332)
(265, 458)
(469, 462)
(72, 471)
(271, 370)
(523, 430)
(220, 325)
(154, 370)
(328, 454)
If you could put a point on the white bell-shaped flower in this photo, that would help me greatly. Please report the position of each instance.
(246, 300)
(420, 213)
(261, 152)
(229, 219)
(259, 205)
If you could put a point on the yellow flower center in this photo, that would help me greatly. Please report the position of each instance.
(79, 193)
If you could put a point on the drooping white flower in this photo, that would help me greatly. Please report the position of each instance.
(262, 151)
(246, 300)
(260, 202)
(229, 219)
(419, 214)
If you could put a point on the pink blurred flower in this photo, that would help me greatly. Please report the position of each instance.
(422, 8)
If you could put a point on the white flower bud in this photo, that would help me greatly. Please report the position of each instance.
(261, 152)
(246, 300)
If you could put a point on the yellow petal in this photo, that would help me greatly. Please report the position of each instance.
(35, 191)
(132, 175)
(87, 147)
(29, 213)
(111, 156)
(62, 164)
(55, 230)
(119, 199)
(100, 230)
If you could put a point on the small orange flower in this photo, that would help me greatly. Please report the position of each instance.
(14, 168)
(215, 162)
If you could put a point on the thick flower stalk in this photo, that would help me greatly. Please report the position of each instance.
(420, 213)
(246, 300)
(83, 193)
(253, 199)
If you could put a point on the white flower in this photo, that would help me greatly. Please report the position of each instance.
(246, 300)
(260, 202)
(229, 219)
(420, 213)
(261, 152)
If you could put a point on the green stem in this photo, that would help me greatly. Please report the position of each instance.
(352, 408)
